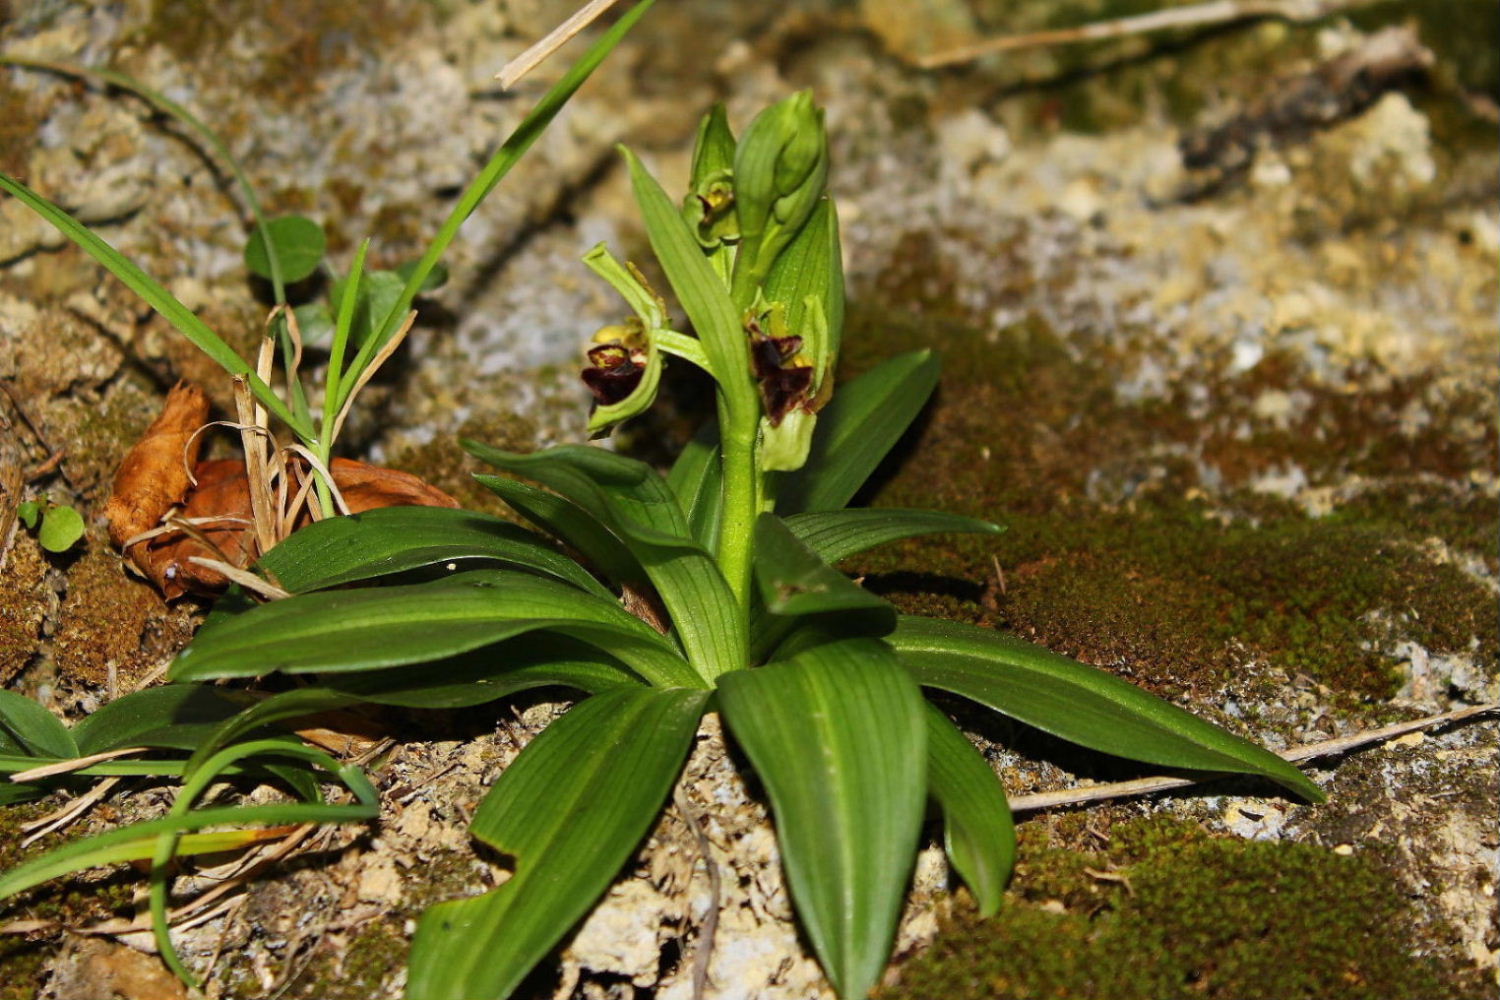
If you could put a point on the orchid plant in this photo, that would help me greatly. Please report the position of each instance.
(662, 598)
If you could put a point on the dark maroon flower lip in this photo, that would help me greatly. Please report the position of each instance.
(783, 385)
(616, 362)
(611, 385)
(614, 372)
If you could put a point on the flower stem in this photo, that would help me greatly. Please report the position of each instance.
(741, 501)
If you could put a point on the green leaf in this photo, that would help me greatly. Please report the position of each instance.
(837, 735)
(697, 479)
(864, 420)
(570, 523)
(702, 294)
(122, 767)
(625, 494)
(29, 511)
(570, 811)
(1079, 703)
(163, 301)
(636, 504)
(28, 728)
(299, 244)
(11, 794)
(141, 846)
(978, 833)
(139, 842)
(340, 550)
(838, 534)
(178, 716)
(62, 527)
(794, 581)
(376, 294)
(539, 659)
(434, 279)
(371, 628)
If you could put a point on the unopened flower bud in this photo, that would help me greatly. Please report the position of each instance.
(780, 172)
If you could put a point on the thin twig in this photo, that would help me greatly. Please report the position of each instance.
(11, 483)
(410, 790)
(213, 960)
(243, 577)
(703, 953)
(53, 463)
(1327, 748)
(232, 425)
(292, 506)
(554, 40)
(69, 766)
(27, 926)
(365, 756)
(153, 675)
(327, 473)
(52, 822)
(1195, 15)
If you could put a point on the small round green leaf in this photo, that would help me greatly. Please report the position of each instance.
(28, 512)
(299, 243)
(61, 529)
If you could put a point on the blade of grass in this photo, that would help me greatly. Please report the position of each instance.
(137, 842)
(163, 301)
(167, 106)
(167, 843)
(506, 157)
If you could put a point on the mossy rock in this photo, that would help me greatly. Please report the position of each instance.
(1124, 552)
(1167, 911)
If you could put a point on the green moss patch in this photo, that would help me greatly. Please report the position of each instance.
(1167, 911)
(1122, 551)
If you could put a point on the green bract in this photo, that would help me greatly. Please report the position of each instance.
(733, 556)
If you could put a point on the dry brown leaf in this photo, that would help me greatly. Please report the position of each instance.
(365, 487)
(154, 476)
(153, 484)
